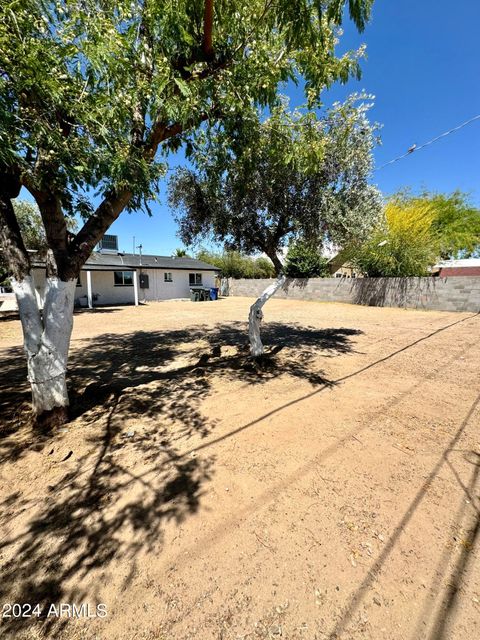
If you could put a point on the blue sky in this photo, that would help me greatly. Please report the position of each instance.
(423, 66)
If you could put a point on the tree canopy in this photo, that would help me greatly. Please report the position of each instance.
(90, 90)
(264, 182)
(416, 231)
(30, 222)
(179, 252)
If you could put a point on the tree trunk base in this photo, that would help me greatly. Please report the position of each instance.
(48, 421)
(46, 342)
(255, 317)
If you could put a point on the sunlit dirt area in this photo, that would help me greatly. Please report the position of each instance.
(329, 491)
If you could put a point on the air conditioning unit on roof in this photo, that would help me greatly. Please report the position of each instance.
(108, 244)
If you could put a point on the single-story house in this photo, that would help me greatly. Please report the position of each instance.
(464, 267)
(110, 277)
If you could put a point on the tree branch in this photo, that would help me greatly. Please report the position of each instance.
(111, 207)
(54, 223)
(207, 30)
(272, 254)
(92, 231)
(57, 234)
(11, 240)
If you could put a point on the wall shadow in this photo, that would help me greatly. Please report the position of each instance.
(412, 292)
(295, 283)
(380, 292)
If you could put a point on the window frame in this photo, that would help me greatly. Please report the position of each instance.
(123, 284)
(165, 278)
(195, 278)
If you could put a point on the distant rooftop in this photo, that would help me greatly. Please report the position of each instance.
(464, 262)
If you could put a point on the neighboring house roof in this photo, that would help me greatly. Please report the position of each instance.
(107, 261)
(464, 262)
(340, 259)
(463, 267)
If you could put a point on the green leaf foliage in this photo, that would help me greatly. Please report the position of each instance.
(31, 225)
(179, 253)
(86, 88)
(233, 264)
(304, 261)
(416, 232)
(259, 183)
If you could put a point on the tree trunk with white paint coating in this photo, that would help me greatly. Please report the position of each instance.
(46, 343)
(255, 317)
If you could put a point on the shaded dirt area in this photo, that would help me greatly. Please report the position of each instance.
(332, 491)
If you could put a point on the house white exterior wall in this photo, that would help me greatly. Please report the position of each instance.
(178, 288)
(103, 286)
(108, 293)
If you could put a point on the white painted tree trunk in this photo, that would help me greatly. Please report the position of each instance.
(255, 317)
(46, 340)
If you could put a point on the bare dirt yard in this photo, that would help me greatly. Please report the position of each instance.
(331, 492)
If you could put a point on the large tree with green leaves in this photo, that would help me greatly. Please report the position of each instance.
(415, 232)
(95, 93)
(264, 182)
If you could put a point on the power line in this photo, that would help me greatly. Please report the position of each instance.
(413, 148)
(425, 144)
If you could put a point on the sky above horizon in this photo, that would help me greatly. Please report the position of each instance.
(422, 66)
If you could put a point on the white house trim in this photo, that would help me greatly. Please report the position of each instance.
(135, 288)
(89, 290)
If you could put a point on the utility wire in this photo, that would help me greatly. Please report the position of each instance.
(425, 144)
(413, 148)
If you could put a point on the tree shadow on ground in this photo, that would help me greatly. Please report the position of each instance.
(139, 397)
(185, 360)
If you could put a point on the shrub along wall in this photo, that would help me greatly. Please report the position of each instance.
(460, 293)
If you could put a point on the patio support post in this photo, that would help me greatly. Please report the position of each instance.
(135, 287)
(89, 290)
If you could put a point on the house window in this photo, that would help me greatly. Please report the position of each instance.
(194, 279)
(123, 278)
(79, 283)
(167, 276)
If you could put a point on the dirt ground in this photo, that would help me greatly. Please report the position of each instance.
(331, 492)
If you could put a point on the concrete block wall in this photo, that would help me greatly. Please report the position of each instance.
(458, 293)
